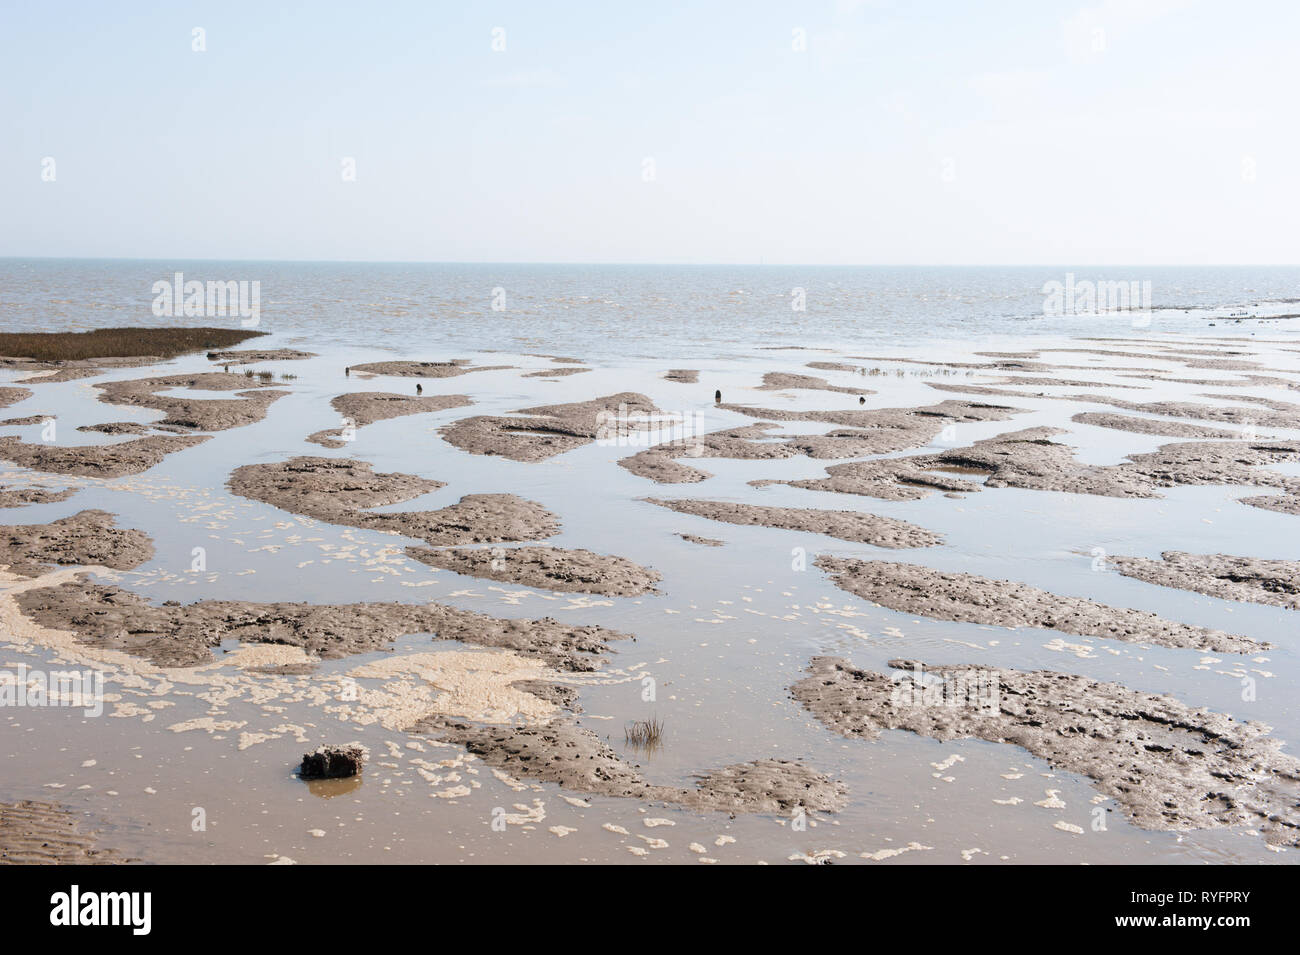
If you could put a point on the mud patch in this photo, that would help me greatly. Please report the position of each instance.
(367, 407)
(335, 490)
(703, 541)
(1280, 414)
(1169, 766)
(576, 759)
(1248, 579)
(87, 538)
(195, 414)
(117, 427)
(425, 369)
(249, 356)
(556, 372)
(1031, 459)
(780, 381)
(174, 635)
(11, 396)
(42, 833)
(33, 494)
(662, 468)
(1167, 429)
(968, 598)
(549, 568)
(854, 526)
(884, 430)
(891, 479)
(543, 432)
(99, 460)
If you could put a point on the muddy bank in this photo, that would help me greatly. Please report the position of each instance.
(87, 538)
(53, 373)
(97, 460)
(185, 635)
(968, 598)
(891, 479)
(577, 760)
(984, 390)
(11, 396)
(122, 343)
(685, 376)
(32, 494)
(1236, 381)
(1165, 429)
(885, 430)
(549, 568)
(42, 833)
(703, 541)
(425, 369)
(1280, 414)
(663, 468)
(1031, 459)
(337, 489)
(854, 526)
(556, 372)
(535, 434)
(660, 462)
(367, 407)
(1282, 503)
(196, 414)
(833, 366)
(250, 356)
(1002, 364)
(780, 380)
(1249, 579)
(1168, 765)
(117, 427)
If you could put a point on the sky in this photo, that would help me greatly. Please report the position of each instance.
(1036, 132)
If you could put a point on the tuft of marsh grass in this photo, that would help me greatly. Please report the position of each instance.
(118, 343)
(645, 733)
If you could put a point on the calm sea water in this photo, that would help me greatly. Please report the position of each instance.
(632, 311)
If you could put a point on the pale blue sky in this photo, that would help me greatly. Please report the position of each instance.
(944, 132)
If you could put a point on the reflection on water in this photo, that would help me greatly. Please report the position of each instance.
(332, 788)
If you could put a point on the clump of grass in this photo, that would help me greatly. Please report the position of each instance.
(248, 373)
(265, 375)
(118, 343)
(288, 377)
(644, 733)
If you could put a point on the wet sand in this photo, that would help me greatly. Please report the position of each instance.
(359, 409)
(40, 833)
(1168, 765)
(561, 611)
(1004, 603)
